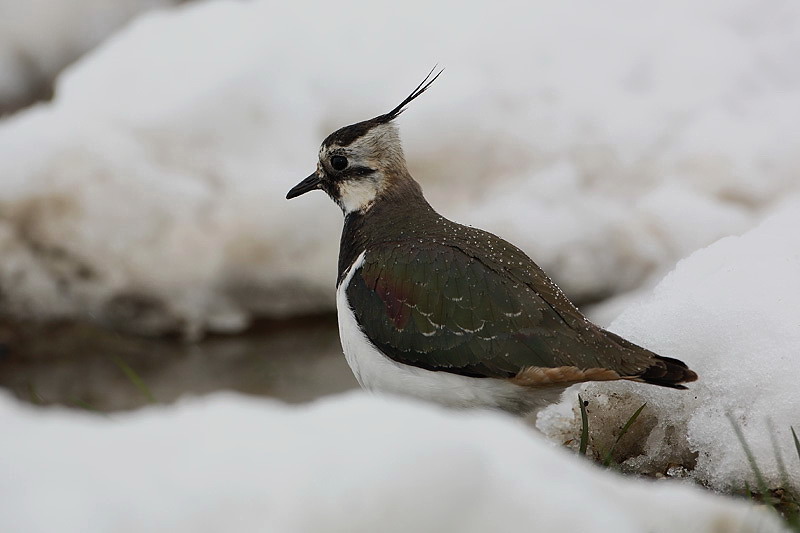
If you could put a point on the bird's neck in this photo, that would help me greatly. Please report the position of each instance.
(399, 213)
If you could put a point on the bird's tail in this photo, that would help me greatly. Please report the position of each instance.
(665, 371)
(668, 372)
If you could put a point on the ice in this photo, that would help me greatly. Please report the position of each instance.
(607, 140)
(731, 311)
(350, 463)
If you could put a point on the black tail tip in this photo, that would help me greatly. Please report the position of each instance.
(669, 372)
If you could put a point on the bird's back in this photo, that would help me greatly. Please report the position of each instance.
(446, 297)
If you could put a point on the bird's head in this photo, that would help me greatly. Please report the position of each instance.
(359, 163)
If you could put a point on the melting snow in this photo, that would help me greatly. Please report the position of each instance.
(354, 463)
(732, 313)
(150, 193)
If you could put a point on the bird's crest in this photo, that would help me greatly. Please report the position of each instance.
(421, 88)
(346, 135)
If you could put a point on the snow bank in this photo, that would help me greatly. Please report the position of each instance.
(352, 463)
(608, 140)
(38, 38)
(732, 312)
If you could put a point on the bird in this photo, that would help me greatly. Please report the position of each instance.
(449, 313)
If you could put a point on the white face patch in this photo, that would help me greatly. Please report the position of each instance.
(357, 194)
(378, 151)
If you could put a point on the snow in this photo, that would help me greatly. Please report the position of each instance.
(731, 311)
(348, 463)
(38, 38)
(607, 140)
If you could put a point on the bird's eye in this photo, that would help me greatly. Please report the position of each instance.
(339, 162)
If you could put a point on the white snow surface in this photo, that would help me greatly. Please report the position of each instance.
(732, 312)
(608, 140)
(350, 463)
(38, 38)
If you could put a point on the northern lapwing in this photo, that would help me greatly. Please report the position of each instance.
(446, 312)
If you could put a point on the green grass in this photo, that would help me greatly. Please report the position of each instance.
(784, 500)
(134, 378)
(784, 473)
(34, 395)
(623, 431)
(762, 484)
(38, 399)
(584, 441)
(584, 427)
(86, 406)
(130, 373)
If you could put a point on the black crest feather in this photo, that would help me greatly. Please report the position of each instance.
(345, 136)
(421, 88)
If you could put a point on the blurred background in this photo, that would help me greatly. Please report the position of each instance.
(146, 146)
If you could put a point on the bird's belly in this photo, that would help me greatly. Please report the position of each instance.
(377, 372)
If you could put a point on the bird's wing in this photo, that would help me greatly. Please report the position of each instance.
(447, 308)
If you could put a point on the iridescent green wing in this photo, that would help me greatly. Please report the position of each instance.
(439, 307)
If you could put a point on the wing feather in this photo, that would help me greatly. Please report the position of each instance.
(439, 307)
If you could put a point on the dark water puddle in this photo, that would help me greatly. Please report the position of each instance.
(84, 365)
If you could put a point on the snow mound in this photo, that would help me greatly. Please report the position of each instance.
(732, 313)
(607, 140)
(352, 463)
(38, 38)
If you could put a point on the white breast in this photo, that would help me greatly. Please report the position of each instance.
(377, 372)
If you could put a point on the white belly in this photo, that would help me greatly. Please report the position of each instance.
(377, 372)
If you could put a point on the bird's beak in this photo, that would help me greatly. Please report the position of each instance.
(308, 184)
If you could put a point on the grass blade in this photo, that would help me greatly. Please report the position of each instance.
(762, 484)
(585, 427)
(778, 455)
(796, 442)
(134, 378)
(83, 404)
(625, 428)
(37, 399)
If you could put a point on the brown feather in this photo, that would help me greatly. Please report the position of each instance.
(535, 376)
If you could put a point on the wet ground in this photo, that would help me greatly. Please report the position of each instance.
(84, 365)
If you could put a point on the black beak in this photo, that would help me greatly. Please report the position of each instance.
(308, 184)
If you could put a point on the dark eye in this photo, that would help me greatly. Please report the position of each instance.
(339, 162)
